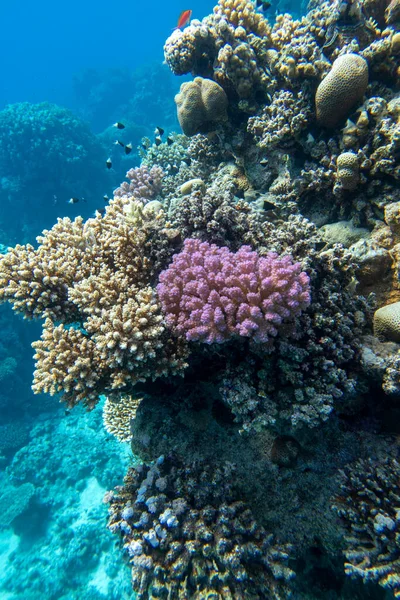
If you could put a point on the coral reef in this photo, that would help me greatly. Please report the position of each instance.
(188, 533)
(118, 414)
(225, 303)
(368, 505)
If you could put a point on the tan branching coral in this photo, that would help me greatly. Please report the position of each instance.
(37, 281)
(118, 414)
(103, 330)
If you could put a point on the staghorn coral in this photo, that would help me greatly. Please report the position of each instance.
(210, 294)
(189, 533)
(368, 505)
(201, 106)
(341, 89)
(118, 414)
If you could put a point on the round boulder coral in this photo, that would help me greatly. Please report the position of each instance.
(347, 170)
(341, 89)
(387, 322)
(201, 104)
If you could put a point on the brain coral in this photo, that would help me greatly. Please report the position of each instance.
(341, 89)
(387, 322)
(201, 104)
(189, 534)
(347, 170)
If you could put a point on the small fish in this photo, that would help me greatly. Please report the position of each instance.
(119, 143)
(119, 125)
(106, 198)
(170, 140)
(159, 131)
(101, 211)
(263, 4)
(174, 170)
(144, 147)
(128, 148)
(108, 163)
(264, 162)
(73, 200)
(158, 140)
(184, 19)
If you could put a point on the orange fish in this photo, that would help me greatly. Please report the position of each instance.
(184, 18)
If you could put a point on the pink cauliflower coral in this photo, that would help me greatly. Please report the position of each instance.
(211, 294)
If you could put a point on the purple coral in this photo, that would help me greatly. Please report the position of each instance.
(144, 184)
(211, 294)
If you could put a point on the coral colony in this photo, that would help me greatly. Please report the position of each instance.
(224, 304)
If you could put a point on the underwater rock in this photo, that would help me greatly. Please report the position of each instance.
(341, 89)
(201, 105)
(343, 232)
